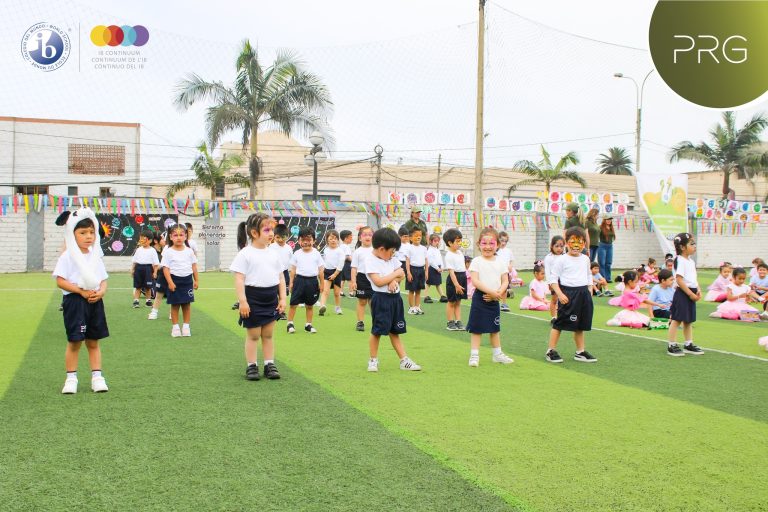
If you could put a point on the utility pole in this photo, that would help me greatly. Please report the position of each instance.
(478, 192)
(439, 158)
(378, 150)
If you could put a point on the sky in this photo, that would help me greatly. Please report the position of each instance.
(401, 74)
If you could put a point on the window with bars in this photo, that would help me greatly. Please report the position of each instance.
(220, 189)
(96, 159)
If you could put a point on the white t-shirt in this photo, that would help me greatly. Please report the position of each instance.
(284, 252)
(348, 249)
(359, 257)
(489, 272)
(417, 254)
(193, 245)
(549, 262)
(434, 258)
(539, 287)
(505, 255)
(261, 267)
(67, 269)
(307, 263)
(179, 262)
(145, 256)
(403, 251)
(376, 265)
(455, 261)
(333, 258)
(687, 269)
(571, 271)
(738, 290)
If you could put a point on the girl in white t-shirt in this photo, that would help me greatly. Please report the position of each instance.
(359, 285)
(490, 276)
(180, 271)
(260, 288)
(735, 305)
(333, 257)
(683, 309)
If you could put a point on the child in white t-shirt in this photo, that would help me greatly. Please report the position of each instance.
(435, 269)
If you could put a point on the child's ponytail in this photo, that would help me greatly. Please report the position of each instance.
(242, 237)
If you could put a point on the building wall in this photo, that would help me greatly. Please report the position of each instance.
(13, 233)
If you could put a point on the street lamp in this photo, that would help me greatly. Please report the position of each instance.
(315, 157)
(639, 106)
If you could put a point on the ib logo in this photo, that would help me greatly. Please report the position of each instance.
(45, 46)
(113, 35)
(712, 53)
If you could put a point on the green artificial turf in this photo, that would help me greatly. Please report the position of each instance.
(180, 428)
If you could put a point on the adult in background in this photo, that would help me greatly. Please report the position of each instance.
(605, 247)
(575, 218)
(416, 222)
(593, 231)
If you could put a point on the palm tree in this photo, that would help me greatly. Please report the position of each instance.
(732, 149)
(209, 173)
(615, 162)
(544, 172)
(283, 97)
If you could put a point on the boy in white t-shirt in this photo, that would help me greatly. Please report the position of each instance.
(435, 277)
(306, 279)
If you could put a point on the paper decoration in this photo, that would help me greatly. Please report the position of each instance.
(490, 203)
(445, 198)
(503, 205)
(430, 197)
(554, 196)
(462, 198)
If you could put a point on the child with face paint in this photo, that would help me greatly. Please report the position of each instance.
(490, 276)
(556, 249)
(571, 281)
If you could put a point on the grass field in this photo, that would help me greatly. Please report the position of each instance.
(181, 429)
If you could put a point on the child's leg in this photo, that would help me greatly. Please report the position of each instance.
(495, 339)
(457, 310)
(450, 312)
(438, 287)
(94, 354)
(361, 309)
(397, 345)
(672, 335)
(310, 313)
(252, 336)
(337, 295)
(136, 292)
(373, 345)
(417, 298)
(70, 355)
(186, 310)
(554, 337)
(291, 313)
(324, 294)
(688, 331)
(267, 341)
(410, 298)
(158, 300)
(578, 338)
(174, 314)
(553, 308)
(474, 341)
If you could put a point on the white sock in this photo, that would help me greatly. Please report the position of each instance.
(186, 326)
(688, 342)
(474, 352)
(672, 343)
(72, 375)
(269, 361)
(405, 358)
(254, 363)
(496, 351)
(96, 373)
(155, 310)
(376, 359)
(308, 324)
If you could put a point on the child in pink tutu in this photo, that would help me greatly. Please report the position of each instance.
(763, 342)
(652, 271)
(631, 301)
(736, 300)
(623, 288)
(537, 299)
(716, 292)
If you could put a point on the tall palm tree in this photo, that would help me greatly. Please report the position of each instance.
(283, 97)
(209, 173)
(732, 149)
(616, 161)
(544, 172)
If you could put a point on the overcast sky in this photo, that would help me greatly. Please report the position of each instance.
(401, 74)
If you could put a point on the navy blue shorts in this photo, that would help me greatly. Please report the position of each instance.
(387, 313)
(484, 317)
(450, 289)
(418, 279)
(306, 290)
(161, 285)
(184, 293)
(328, 272)
(142, 276)
(577, 314)
(683, 309)
(346, 272)
(263, 304)
(364, 289)
(82, 320)
(435, 277)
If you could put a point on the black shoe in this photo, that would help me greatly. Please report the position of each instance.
(149, 303)
(236, 305)
(460, 326)
(584, 357)
(674, 350)
(443, 299)
(428, 300)
(136, 303)
(451, 325)
(690, 348)
(290, 328)
(270, 371)
(553, 357)
(360, 326)
(283, 316)
(252, 372)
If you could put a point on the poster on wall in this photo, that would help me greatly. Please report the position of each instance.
(319, 224)
(665, 198)
(121, 232)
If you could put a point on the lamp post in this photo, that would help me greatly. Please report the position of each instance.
(638, 121)
(314, 157)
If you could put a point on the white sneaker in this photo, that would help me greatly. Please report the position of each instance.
(408, 365)
(613, 323)
(419, 311)
(474, 361)
(322, 310)
(99, 385)
(373, 365)
(70, 386)
(338, 310)
(152, 315)
(503, 359)
(186, 331)
(412, 311)
(175, 331)
(291, 328)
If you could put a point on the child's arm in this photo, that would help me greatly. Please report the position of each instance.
(72, 288)
(536, 296)
(502, 291)
(559, 293)
(99, 294)
(426, 269)
(452, 277)
(480, 286)
(194, 276)
(684, 287)
(292, 276)
(242, 302)
(385, 280)
(732, 296)
(167, 274)
(133, 267)
(281, 294)
(353, 279)
(408, 268)
(320, 276)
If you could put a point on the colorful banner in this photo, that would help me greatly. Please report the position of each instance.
(665, 198)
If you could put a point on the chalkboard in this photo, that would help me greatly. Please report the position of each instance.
(121, 232)
(319, 224)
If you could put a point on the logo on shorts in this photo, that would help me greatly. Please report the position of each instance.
(400, 325)
(83, 328)
(45, 46)
(191, 293)
(573, 318)
(497, 320)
